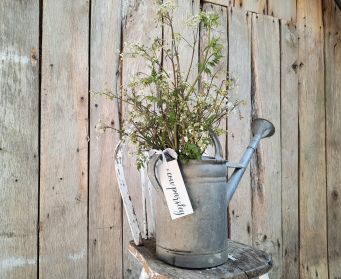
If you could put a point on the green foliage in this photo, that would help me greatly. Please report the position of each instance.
(165, 107)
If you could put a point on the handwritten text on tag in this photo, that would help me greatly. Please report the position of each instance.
(174, 189)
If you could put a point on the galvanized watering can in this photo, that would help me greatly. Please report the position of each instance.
(199, 240)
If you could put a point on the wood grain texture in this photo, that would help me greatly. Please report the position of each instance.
(220, 32)
(289, 148)
(138, 16)
(184, 10)
(239, 124)
(332, 36)
(64, 140)
(266, 164)
(224, 3)
(105, 209)
(248, 263)
(285, 10)
(257, 6)
(19, 106)
(312, 165)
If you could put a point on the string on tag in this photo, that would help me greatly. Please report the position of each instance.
(172, 183)
(168, 151)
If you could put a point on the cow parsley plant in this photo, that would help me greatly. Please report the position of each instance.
(168, 105)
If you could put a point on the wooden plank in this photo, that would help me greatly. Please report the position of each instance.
(312, 165)
(239, 125)
(19, 112)
(257, 6)
(105, 208)
(221, 32)
(225, 3)
(283, 9)
(64, 140)
(332, 19)
(244, 262)
(139, 16)
(278, 8)
(289, 148)
(126, 199)
(266, 167)
(184, 10)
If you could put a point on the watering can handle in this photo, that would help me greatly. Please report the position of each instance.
(152, 173)
(218, 150)
(156, 157)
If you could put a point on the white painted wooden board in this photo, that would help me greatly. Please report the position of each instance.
(64, 140)
(289, 148)
(332, 36)
(312, 150)
(19, 107)
(105, 208)
(239, 124)
(266, 167)
(221, 32)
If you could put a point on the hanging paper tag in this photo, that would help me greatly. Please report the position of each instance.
(174, 189)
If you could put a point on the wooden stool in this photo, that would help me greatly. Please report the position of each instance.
(244, 262)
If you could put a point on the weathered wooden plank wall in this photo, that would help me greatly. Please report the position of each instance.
(105, 209)
(332, 36)
(289, 148)
(64, 140)
(312, 164)
(240, 207)
(60, 212)
(281, 9)
(221, 32)
(266, 165)
(19, 134)
(137, 18)
(259, 6)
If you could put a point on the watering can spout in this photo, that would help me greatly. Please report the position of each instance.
(261, 128)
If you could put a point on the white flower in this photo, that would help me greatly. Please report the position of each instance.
(193, 21)
(177, 37)
(100, 127)
(229, 105)
(166, 7)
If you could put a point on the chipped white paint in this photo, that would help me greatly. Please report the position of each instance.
(144, 184)
(77, 256)
(144, 274)
(13, 262)
(127, 203)
(13, 58)
(231, 257)
(148, 216)
(265, 276)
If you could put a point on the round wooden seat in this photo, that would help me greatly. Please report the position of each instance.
(244, 262)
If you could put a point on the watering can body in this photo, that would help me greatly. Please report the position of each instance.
(199, 240)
